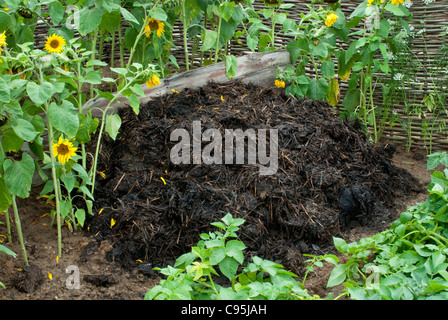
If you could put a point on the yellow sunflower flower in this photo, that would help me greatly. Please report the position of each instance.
(279, 84)
(2, 40)
(54, 44)
(154, 25)
(64, 150)
(331, 19)
(153, 81)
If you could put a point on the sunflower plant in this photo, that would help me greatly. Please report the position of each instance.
(368, 56)
(326, 43)
(42, 98)
(314, 46)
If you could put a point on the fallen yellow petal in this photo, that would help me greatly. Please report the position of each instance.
(138, 260)
(112, 222)
(57, 259)
(222, 99)
(164, 182)
(101, 210)
(102, 174)
(50, 276)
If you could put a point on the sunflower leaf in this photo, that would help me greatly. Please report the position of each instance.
(64, 118)
(89, 20)
(113, 124)
(39, 94)
(19, 175)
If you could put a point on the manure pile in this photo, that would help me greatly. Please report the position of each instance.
(329, 176)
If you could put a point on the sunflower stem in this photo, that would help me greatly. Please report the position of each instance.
(19, 229)
(120, 41)
(95, 35)
(184, 27)
(8, 221)
(100, 134)
(217, 39)
(56, 188)
(112, 57)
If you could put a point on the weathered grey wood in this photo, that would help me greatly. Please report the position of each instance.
(257, 68)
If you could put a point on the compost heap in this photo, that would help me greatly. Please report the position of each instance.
(328, 176)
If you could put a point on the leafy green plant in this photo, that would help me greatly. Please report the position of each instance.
(219, 256)
(407, 261)
(42, 91)
(325, 44)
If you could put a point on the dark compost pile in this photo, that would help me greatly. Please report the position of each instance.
(329, 176)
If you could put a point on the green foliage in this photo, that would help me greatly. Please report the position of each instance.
(194, 274)
(319, 43)
(407, 261)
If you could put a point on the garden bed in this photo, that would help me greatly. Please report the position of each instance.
(331, 181)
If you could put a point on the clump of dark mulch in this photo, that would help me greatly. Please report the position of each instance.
(329, 176)
(28, 279)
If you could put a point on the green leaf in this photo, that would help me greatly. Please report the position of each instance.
(89, 19)
(217, 255)
(111, 21)
(80, 216)
(226, 10)
(69, 180)
(318, 89)
(65, 208)
(87, 126)
(5, 250)
(11, 142)
(5, 197)
(64, 118)
(327, 69)
(184, 260)
(234, 249)
(214, 243)
(209, 38)
(340, 244)
(39, 94)
(134, 102)
(113, 124)
(231, 66)
(399, 11)
(86, 192)
(138, 90)
(24, 129)
(19, 175)
(128, 16)
(442, 214)
(82, 173)
(4, 91)
(320, 50)
(228, 266)
(56, 11)
(337, 276)
(121, 71)
(252, 42)
(158, 13)
(93, 77)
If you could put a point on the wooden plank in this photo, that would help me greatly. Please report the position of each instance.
(257, 68)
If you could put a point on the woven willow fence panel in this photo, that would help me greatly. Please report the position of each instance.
(412, 124)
